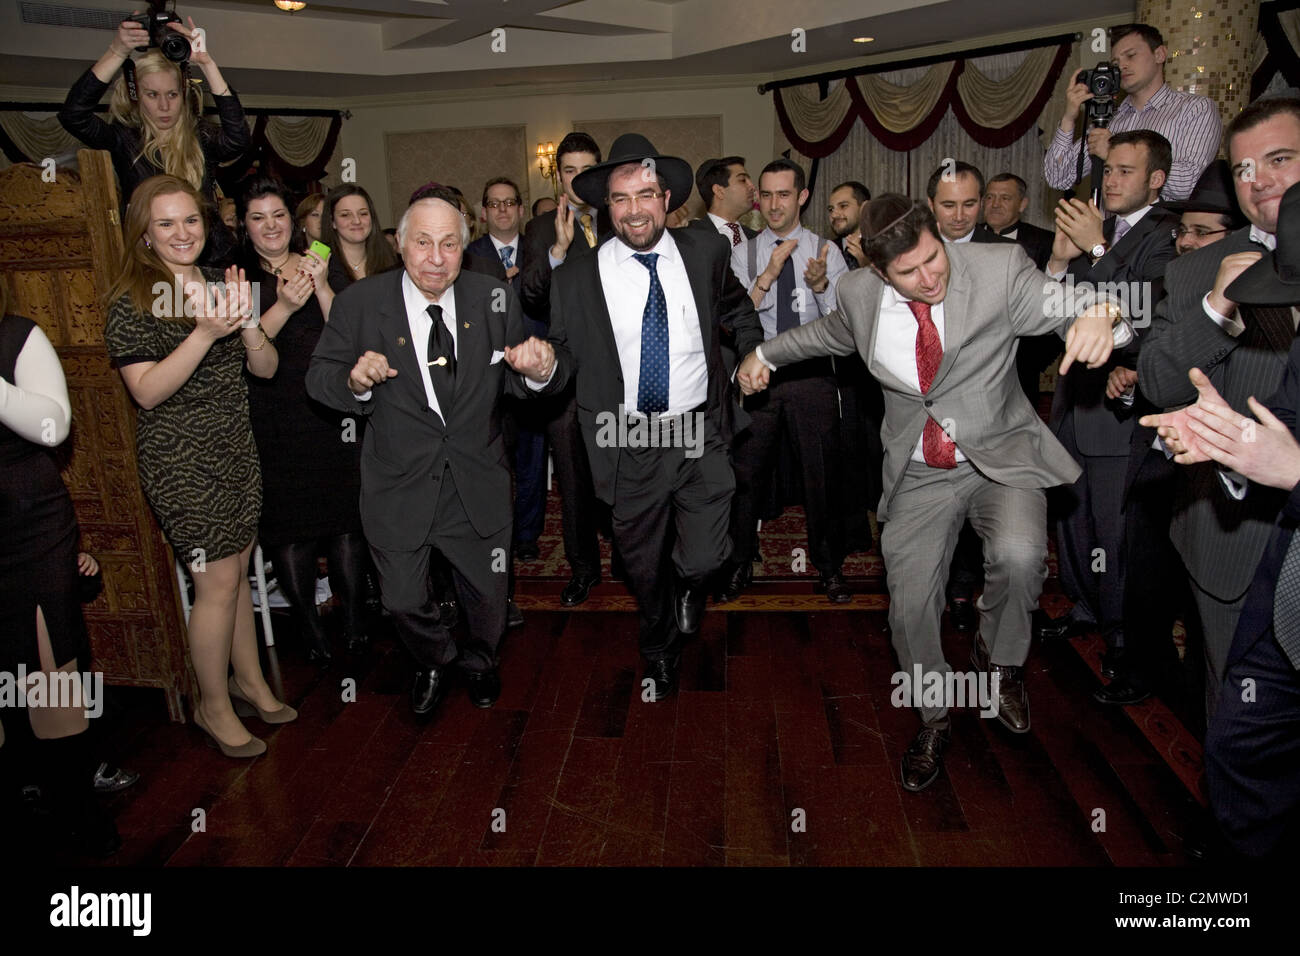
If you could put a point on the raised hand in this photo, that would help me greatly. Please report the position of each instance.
(130, 35)
(563, 227)
(198, 51)
(315, 267)
(533, 358)
(1229, 268)
(1081, 222)
(814, 273)
(853, 246)
(294, 290)
(371, 369)
(1174, 428)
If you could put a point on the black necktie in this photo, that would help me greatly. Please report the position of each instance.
(786, 316)
(442, 360)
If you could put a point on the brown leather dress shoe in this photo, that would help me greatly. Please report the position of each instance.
(1013, 699)
(923, 758)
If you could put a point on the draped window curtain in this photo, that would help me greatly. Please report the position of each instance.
(891, 130)
(295, 150)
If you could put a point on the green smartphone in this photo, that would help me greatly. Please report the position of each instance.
(322, 250)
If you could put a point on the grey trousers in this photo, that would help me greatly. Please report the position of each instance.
(917, 542)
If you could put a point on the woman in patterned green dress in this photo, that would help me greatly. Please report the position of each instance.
(180, 343)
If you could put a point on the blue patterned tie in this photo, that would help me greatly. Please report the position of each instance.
(652, 389)
(507, 253)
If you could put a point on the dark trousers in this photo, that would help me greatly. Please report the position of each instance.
(862, 409)
(671, 515)
(526, 427)
(1155, 584)
(1252, 751)
(579, 509)
(1092, 518)
(805, 402)
(479, 568)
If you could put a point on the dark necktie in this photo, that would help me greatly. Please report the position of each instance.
(442, 361)
(652, 388)
(786, 316)
(1286, 603)
(938, 450)
(507, 253)
(735, 234)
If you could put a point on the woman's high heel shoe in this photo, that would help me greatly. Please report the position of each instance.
(254, 748)
(283, 715)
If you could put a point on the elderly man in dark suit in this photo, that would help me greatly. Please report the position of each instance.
(1243, 352)
(1252, 751)
(639, 324)
(936, 324)
(425, 354)
(1126, 252)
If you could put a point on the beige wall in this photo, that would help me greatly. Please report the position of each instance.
(745, 119)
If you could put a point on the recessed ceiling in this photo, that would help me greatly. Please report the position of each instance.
(339, 49)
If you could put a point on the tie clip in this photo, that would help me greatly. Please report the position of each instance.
(440, 360)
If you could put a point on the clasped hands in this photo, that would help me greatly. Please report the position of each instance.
(1265, 451)
(533, 358)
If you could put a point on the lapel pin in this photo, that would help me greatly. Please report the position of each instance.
(401, 340)
(467, 325)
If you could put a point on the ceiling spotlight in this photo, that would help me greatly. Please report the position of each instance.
(864, 39)
(290, 6)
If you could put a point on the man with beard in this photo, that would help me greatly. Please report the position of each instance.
(638, 325)
(845, 207)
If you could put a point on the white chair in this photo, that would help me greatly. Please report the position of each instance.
(261, 600)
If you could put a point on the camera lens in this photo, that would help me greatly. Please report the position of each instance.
(175, 47)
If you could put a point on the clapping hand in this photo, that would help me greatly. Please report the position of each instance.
(294, 290)
(814, 272)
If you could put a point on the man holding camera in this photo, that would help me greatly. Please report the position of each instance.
(1190, 122)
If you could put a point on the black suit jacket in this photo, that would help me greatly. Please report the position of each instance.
(488, 261)
(535, 285)
(1220, 539)
(1036, 241)
(407, 444)
(1256, 619)
(583, 336)
(1137, 262)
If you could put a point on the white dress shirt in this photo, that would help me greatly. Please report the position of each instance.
(626, 286)
(810, 245)
(965, 238)
(512, 245)
(896, 348)
(1233, 324)
(724, 230)
(421, 323)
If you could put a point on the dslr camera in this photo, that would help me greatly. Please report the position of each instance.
(1103, 83)
(173, 45)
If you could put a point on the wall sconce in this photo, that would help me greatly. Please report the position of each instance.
(290, 6)
(546, 165)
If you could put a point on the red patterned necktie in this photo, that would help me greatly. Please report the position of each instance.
(936, 446)
(735, 233)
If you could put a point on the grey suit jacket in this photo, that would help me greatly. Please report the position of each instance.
(994, 296)
(1220, 539)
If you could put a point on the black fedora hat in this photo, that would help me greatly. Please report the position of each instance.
(590, 184)
(1214, 192)
(1275, 278)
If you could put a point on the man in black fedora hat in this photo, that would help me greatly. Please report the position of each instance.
(1211, 211)
(1252, 750)
(638, 323)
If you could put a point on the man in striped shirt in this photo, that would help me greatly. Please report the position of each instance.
(1190, 122)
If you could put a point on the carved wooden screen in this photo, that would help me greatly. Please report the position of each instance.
(60, 242)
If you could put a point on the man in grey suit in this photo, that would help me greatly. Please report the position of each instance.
(937, 325)
(1243, 351)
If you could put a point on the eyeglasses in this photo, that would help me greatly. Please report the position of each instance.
(1178, 232)
(502, 203)
(645, 196)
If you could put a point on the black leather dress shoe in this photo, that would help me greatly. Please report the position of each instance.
(923, 758)
(576, 591)
(664, 675)
(963, 614)
(1112, 663)
(689, 608)
(737, 578)
(835, 589)
(1057, 628)
(427, 692)
(484, 687)
(1013, 699)
(1125, 689)
(527, 551)
(514, 616)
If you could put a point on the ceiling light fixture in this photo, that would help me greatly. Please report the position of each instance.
(290, 6)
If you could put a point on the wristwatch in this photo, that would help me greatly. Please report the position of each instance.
(1097, 251)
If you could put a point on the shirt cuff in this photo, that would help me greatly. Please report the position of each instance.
(538, 386)
(552, 260)
(364, 396)
(1058, 276)
(1122, 334)
(1233, 483)
(758, 352)
(1233, 326)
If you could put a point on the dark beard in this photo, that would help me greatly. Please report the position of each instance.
(653, 239)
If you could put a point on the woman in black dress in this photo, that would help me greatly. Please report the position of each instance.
(350, 227)
(41, 628)
(182, 355)
(310, 454)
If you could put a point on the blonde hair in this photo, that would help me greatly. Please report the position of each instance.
(175, 151)
(142, 267)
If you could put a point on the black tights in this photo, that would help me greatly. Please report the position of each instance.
(295, 570)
